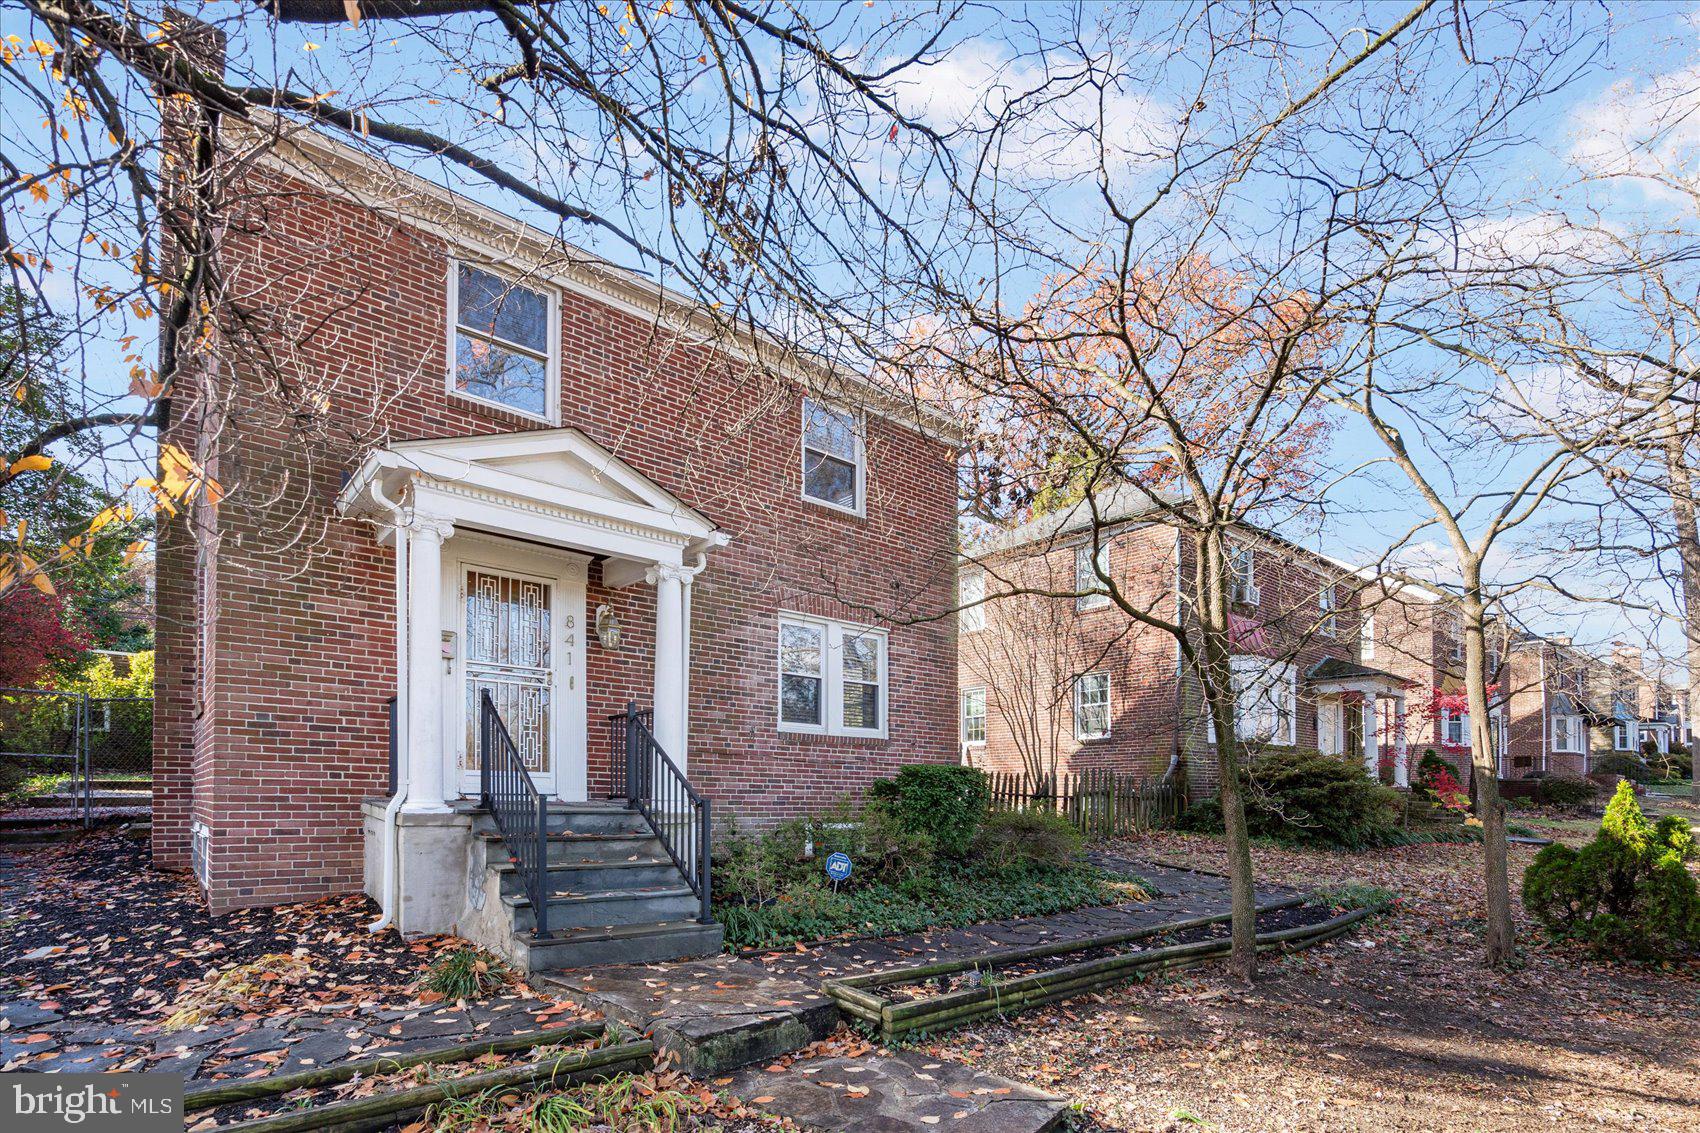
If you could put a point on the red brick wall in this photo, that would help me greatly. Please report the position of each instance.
(294, 733)
(1156, 708)
(1053, 640)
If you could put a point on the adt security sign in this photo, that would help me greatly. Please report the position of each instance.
(838, 866)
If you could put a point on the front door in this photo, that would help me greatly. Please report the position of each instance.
(520, 616)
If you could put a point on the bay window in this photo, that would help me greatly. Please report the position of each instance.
(1567, 733)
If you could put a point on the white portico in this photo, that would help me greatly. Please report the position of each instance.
(1345, 687)
(494, 537)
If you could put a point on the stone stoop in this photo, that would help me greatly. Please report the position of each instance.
(615, 897)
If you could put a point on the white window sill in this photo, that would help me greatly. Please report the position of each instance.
(486, 403)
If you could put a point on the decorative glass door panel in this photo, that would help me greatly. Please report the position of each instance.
(509, 653)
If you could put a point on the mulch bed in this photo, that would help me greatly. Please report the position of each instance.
(98, 950)
(98, 929)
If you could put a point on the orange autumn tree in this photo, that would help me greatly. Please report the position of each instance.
(1184, 387)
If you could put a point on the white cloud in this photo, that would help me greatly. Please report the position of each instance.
(1644, 129)
(1046, 117)
(1516, 242)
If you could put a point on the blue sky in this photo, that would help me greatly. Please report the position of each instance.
(986, 58)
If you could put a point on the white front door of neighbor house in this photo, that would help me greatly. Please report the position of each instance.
(518, 618)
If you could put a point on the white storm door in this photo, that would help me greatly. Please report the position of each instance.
(510, 650)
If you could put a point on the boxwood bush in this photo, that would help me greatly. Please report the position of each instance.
(1301, 796)
(943, 800)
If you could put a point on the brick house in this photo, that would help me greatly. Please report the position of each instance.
(526, 473)
(1055, 678)
(1571, 708)
(1415, 629)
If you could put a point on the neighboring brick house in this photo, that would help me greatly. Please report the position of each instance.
(1572, 708)
(519, 470)
(1415, 629)
(1056, 678)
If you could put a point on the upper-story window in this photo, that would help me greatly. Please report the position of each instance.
(504, 342)
(834, 458)
(1366, 637)
(1242, 576)
(1090, 570)
(1327, 619)
(971, 592)
(1455, 631)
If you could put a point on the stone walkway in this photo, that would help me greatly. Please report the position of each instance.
(741, 1011)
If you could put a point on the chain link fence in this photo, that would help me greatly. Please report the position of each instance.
(70, 756)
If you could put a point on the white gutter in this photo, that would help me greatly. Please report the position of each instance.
(389, 889)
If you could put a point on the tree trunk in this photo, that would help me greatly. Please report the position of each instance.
(1501, 936)
(1219, 698)
(1681, 486)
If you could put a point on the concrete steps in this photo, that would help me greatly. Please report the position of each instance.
(615, 895)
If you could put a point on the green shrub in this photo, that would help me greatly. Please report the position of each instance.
(1564, 791)
(466, 973)
(1673, 764)
(1624, 764)
(1356, 895)
(1429, 766)
(942, 800)
(1626, 893)
(1027, 837)
(1303, 797)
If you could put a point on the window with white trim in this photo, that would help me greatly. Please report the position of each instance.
(832, 677)
(1366, 637)
(1454, 727)
(1266, 697)
(973, 715)
(1090, 570)
(1623, 737)
(1092, 707)
(970, 592)
(1242, 576)
(504, 342)
(834, 458)
(1567, 733)
(1455, 630)
(1326, 617)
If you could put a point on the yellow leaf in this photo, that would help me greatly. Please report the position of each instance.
(36, 463)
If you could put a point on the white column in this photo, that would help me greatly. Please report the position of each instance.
(1401, 750)
(669, 583)
(1372, 744)
(425, 536)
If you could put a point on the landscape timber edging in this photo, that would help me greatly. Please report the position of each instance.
(357, 1115)
(896, 1018)
(208, 1095)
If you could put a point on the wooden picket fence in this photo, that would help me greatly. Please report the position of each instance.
(1100, 804)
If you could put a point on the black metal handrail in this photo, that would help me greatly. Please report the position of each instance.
(521, 812)
(679, 816)
(617, 749)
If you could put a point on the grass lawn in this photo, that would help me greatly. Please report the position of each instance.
(1395, 1027)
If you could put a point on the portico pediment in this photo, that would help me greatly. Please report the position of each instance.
(551, 485)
